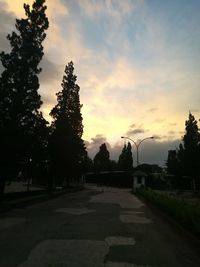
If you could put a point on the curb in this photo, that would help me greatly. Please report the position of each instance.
(7, 205)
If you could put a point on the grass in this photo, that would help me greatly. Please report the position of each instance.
(185, 213)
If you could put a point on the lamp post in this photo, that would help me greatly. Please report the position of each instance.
(137, 145)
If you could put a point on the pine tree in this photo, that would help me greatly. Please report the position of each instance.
(173, 169)
(122, 158)
(67, 149)
(172, 162)
(20, 117)
(129, 158)
(191, 155)
(125, 161)
(102, 159)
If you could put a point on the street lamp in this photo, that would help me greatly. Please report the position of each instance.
(137, 145)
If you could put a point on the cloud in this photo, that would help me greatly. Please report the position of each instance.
(133, 125)
(126, 68)
(110, 8)
(156, 152)
(93, 145)
(136, 131)
(50, 71)
(54, 8)
(111, 88)
(152, 110)
(157, 137)
(7, 20)
(151, 152)
(98, 139)
(51, 75)
(159, 120)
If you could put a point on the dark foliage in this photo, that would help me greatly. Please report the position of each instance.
(173, 162)
(125, 162)
(67, 149)
(184, 163)
(191, 152)
(113, 165)
(102, 159)
(22, 126)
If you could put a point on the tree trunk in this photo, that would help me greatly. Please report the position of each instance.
(2, 186)
(193, 184)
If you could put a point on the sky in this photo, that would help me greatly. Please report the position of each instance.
(137, 64)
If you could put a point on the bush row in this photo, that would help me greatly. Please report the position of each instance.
(186, 214)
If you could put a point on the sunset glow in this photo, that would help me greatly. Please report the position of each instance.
(137, 64)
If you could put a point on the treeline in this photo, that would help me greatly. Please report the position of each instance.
(102, 161)
(49, 154)
(183, 163)
(103, 170)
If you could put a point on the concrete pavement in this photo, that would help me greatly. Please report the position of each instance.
(92, 228)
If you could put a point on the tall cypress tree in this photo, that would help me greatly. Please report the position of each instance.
(129, 162)
(122, 158)
(191, 155)
(66, 146)
(125, 161)
(172, 162)
(102, 159)
(20, 118)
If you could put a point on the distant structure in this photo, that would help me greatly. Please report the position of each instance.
(139, 179)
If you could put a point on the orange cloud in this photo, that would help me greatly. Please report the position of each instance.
(54, 9)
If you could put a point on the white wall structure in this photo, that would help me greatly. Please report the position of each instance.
(139, 179)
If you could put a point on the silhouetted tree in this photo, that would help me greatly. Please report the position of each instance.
(176, 169)
(184, 162)
(125, 162)
(67, 149)
(129, 162)
(172, 162)
(87, 164)
(20, 119)
(113, 165)
(173, 177)
(181, 161)
(191, 155)
(102, 159)
(122, 158)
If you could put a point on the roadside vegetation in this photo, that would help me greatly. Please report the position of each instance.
(187, 214)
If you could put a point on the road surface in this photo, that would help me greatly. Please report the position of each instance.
(96, 227)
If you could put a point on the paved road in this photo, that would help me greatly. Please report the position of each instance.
(92, 228)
